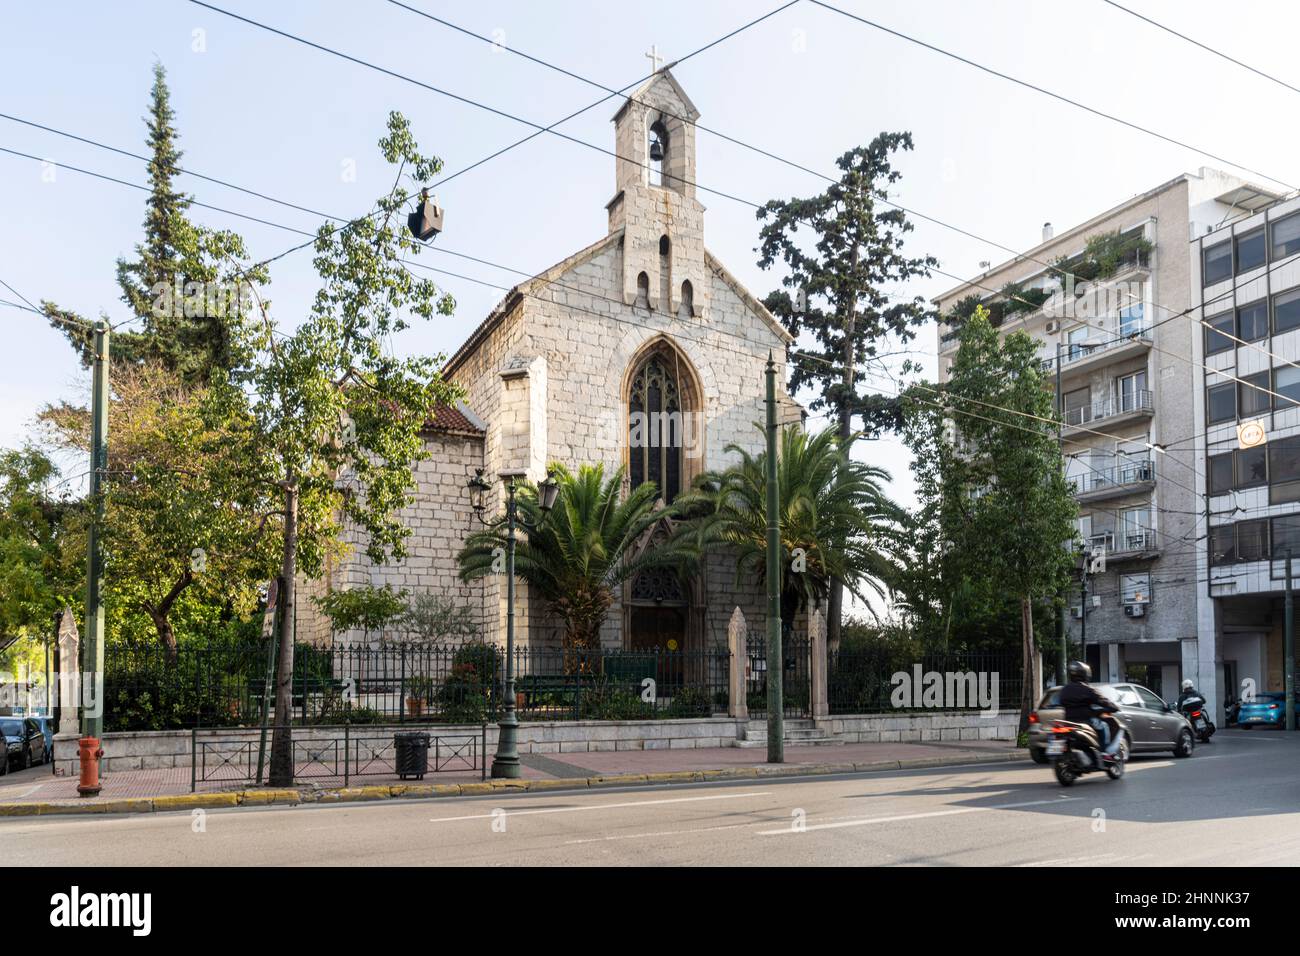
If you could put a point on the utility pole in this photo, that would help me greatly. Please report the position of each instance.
(92, 654)
(1289, 648)
(775, 665)
(1083, 611)
(1062, 634)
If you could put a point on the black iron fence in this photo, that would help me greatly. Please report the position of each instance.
(796, 686)
(233, 757)
(232, 685)
(883, 680)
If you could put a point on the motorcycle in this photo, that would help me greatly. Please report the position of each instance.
(1193, 708)
(1074, 750)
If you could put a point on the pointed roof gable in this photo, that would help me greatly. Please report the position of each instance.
(663, 76)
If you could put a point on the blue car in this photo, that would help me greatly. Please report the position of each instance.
(1266, 709)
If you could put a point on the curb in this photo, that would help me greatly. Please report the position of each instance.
(425, 791)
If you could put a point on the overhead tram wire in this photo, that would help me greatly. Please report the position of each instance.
(739, 142)
(1204, 46)
(1046, 92)
(499, 112)
(548, 282)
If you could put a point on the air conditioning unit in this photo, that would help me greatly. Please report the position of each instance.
(1053, 325)
(1135, 610)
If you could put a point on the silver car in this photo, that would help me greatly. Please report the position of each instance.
(1150, 724)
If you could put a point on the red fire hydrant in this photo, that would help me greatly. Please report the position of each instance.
(89, 751)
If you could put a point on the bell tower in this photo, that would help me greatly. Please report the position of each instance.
(655, 204)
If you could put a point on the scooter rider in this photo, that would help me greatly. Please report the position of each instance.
(1083, 705)
(1189, 691)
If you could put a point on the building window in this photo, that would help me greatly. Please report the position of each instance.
(1215, 338)
(1286, 381)
(1254, 397)
(661, 425)
(1284, 470)
(1078, 406)
(1139, 533)
(1216, 263)
(1219, 470)
(1133, 394)
(1252, 540)
(1251, 251)
(1221, 403)
(1076, 339)
(688, 299)
(1285, 535)
(1252, 321)
(1135, 588)
(1130, 320)
(1286, 235)
(1286, 311)
(1223, 544)
(1251, 467)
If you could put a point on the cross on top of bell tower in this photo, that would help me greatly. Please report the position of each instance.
(656, 60)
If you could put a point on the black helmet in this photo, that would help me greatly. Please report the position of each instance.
(1079, 671)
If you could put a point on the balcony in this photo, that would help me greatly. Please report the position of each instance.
(1079, 357)
(1133, 544)
(1132, 477)
(1129, 407)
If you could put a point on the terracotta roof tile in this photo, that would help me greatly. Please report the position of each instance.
(446, 418)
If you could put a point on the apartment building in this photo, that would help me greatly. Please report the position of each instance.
(1246, 289)
(1115, 339)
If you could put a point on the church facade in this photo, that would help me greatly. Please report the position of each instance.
(573, 366)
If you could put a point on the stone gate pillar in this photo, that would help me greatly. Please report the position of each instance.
(817, 664)
(737, 641)
(68, 678)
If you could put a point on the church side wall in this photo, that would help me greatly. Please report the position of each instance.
(439, 518)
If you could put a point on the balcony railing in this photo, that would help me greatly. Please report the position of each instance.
(1079, 351)
(1119, 542)
(1131, 472)
(1140, 400)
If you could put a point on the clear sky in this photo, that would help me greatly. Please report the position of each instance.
(264, 112)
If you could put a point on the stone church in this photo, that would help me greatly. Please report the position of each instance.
(568, 367)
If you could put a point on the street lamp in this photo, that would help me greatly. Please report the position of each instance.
(505, 764)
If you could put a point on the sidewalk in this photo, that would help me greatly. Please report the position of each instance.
(37, 791)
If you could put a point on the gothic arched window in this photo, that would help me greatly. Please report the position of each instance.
(655, 426)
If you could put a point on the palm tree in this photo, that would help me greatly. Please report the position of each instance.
(586, 547)
(836, 521)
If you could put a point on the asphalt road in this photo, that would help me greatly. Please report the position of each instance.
(1236, 802)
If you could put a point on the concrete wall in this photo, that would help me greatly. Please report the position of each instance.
(147, 750)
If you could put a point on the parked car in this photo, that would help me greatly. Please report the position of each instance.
(46, 726)
(1150, 724)
(24, 742)
(1268, 709)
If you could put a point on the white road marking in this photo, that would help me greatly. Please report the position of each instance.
(913, 816)
(602, 806)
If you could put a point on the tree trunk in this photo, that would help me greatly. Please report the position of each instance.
(835, 606)
(282, 737)
(1031, 666)
(159, 614)
(166, 634)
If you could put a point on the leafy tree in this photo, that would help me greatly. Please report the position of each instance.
(996, 507)
(369, 608)
(187, 283)
(434, 618)
(181, 515)
(585, 548)
(335, 419)
(35, 581)
(837, 290)
(836, 521)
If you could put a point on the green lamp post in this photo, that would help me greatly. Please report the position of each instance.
(505, 763)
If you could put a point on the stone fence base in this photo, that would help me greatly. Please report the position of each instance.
(154, 749)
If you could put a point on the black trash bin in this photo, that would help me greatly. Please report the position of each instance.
(412, 754)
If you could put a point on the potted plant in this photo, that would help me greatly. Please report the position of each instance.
(418, 690)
